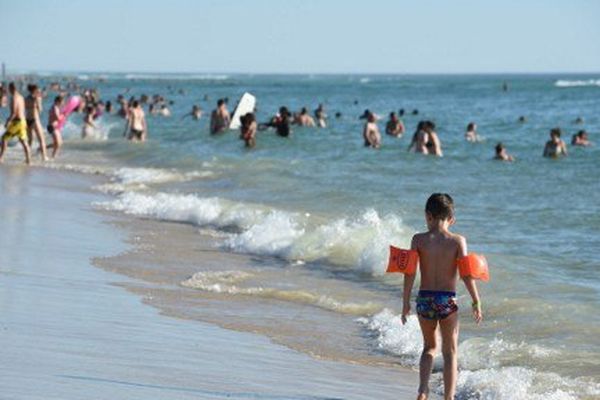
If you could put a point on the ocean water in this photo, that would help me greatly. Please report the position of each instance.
(329, 207)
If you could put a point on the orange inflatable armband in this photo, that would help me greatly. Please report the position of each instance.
(473, 265)
(404, 261)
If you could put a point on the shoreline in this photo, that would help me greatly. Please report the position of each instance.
(71, 338)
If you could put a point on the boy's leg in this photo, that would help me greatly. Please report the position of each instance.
(428, 328)
(449, 330)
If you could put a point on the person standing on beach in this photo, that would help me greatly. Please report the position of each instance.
(438, 251)
(371, 133)
(54, 117)
(220, 118)
(16, 126)
(136, 123)
(33, 111)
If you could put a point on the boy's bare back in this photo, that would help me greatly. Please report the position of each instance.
(438, 252)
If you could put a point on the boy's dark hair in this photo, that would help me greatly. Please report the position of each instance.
(58, 99)
(555, 132)
(440, 206)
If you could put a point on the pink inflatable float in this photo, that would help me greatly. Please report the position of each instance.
(68, 108)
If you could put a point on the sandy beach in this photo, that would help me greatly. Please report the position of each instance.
(70, 330)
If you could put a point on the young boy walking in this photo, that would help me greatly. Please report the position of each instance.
(439, 249)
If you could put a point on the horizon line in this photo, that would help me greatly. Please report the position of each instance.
(74, 71)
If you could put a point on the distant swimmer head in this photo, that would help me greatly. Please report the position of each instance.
(220, 102)
(499, 148)
(522, 119)
(338, 114)
(415, 112)
(555, 133)
(283, 111)
(471, 127)
(428, 126)
(365, 114)
(355, 102)
(393, 116)
(401, 112)
(439, 207)
(303, 111)
(579, 120)
(135, 104)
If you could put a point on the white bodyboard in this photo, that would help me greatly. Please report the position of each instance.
(246, 104)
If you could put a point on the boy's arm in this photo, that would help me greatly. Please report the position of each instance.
(470, 284)
(409, 281)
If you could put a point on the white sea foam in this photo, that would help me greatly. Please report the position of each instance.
(229, 282)
(483, 374)
(183, 77)
(562, 83)
(360, 242)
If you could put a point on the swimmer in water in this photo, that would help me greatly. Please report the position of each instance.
(16, 125)
(196, 113)
(136, 127)
(220, 118)
(164, 111)
(303, 119)
(89, 127)
(394, 126)
(419, 140)
(371, 133)
(248, 130)
(555, 147)
(436, 302)
(522, 119)
(471, 133)
(581, 139)
(282, 122)
(434, 145)
(502, 154)
(321, 116)
(33, 113)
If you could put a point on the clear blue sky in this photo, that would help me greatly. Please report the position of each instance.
(310, 36)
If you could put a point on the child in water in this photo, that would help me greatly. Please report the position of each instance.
(438, 250)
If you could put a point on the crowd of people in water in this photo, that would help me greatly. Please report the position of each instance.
(25, 121)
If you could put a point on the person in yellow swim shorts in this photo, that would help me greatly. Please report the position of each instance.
(16, 126)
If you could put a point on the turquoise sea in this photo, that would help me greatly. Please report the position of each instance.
(321, 203)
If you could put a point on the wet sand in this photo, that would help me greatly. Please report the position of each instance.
(70, 331)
